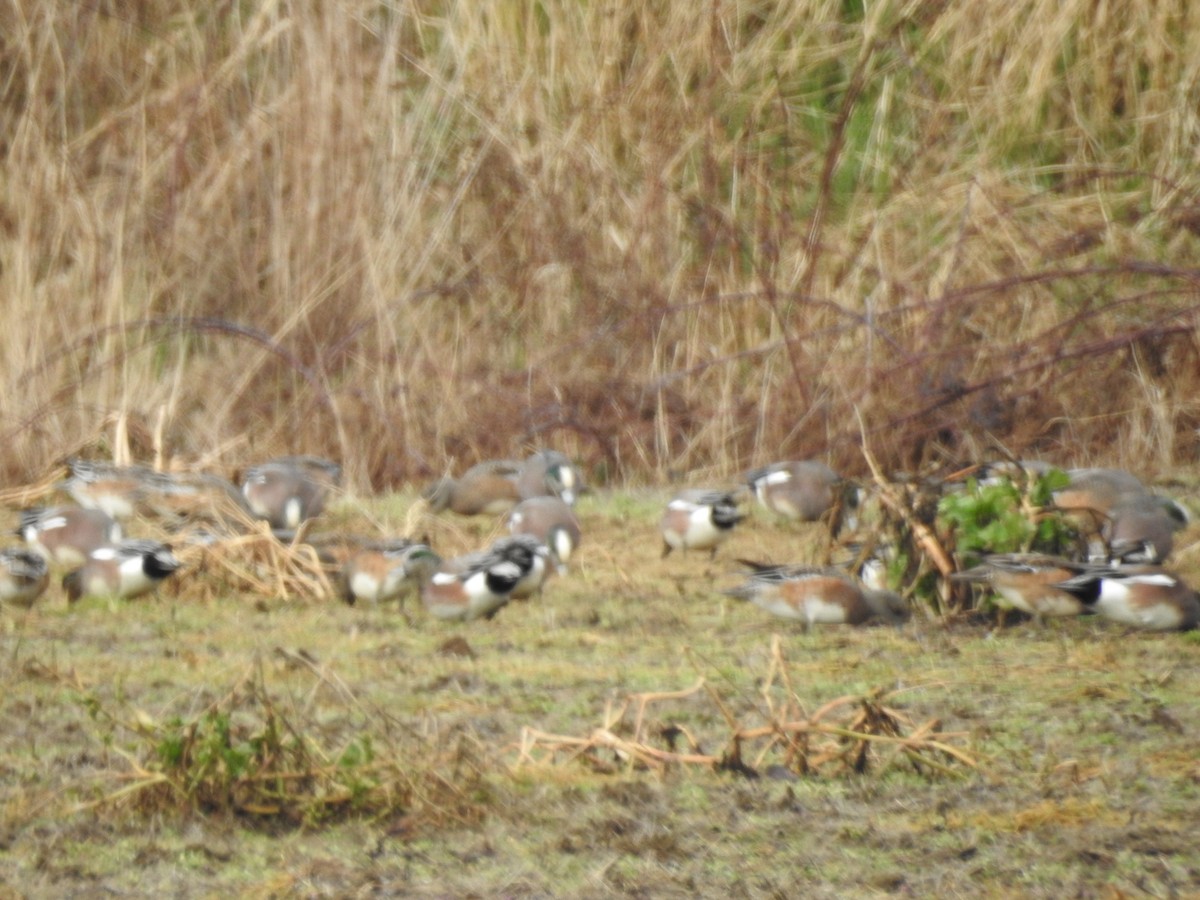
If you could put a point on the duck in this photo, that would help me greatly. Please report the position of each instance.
(487, 488)
(1144, 524)
(1095, 491)
(289, 490)
(817, 596)
(532, 556)
(200, 497)
(552, 522)
(24, 576)
(1147, 597)
(119, 491)
(804, 490)
(1028, 582)
(549, 473)
(699, 520)
(67, 535)
(474, 586)
(383, 571)
(126, 570)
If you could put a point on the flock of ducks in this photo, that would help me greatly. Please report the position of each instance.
(86, 538)
(1122, 579)
(1131, 532)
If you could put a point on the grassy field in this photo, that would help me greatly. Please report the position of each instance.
(1085, 779)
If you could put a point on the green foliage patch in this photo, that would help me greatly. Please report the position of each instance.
(1007, 516)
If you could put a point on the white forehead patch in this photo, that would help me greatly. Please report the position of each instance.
(1156, 578)
(506, 570)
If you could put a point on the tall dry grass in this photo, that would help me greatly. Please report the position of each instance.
(658, 236)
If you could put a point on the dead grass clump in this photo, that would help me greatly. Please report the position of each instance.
(260, 564)
(270, 761)
(851, 734)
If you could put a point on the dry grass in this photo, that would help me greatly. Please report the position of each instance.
(411, 235)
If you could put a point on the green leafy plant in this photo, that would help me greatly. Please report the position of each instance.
(1006, 516)
(245, 756)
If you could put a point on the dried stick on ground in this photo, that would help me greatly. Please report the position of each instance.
(844, 731)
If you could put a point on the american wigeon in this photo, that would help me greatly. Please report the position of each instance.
(1145, 525)
(549, 473)
(117, 490)
(817, 596)
(1146, 597)
(126, 570)
(383, 571)
(23, 576)
(67, 535)
(198, 497)
(699, 520)
(531, 556)
(1028, 582)
(1014, 470)
(289, 489)
(871, 562)
(474, 586)
(487, 488)
(552, 522)
(1097, 491)
(805, 490)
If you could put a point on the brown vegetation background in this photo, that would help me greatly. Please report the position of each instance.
(659, 236)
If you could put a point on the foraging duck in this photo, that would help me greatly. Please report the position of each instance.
(531, 556)
(1146, 597)
(817, 596)
(1144, 524)
(1029, 582)
(1097, 491)
(552, 522)
(67, 535)
(23, 576)
(117, 490)
(289, 489)
(804, 490)
(376, 573)
(126, 570)
(487, 488)
(476, 585)
(549, 473)
(699, 520)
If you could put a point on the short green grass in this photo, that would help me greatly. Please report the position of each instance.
(1084, 733)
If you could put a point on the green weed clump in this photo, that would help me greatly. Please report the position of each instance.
(1007, 516)
(244, 756)
(926, 530)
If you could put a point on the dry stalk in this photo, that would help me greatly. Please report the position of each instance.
(31, 494)
(258, 562)
(891, 498)
(844, 732)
